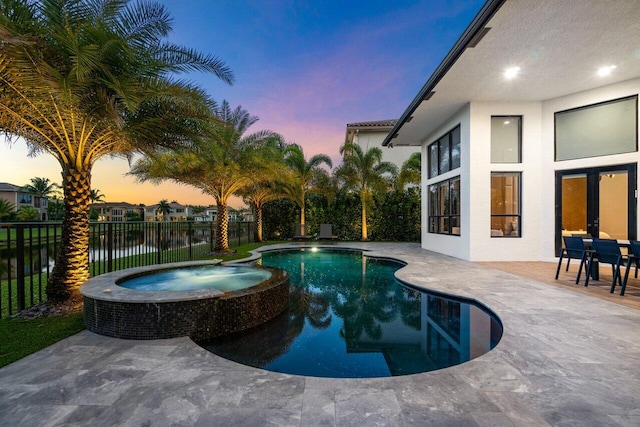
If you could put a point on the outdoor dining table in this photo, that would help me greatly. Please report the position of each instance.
(595, 272)
(621, 243)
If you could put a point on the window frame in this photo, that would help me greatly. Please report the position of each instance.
(592, 106)
(434, 214)
(438, 153)
(519, 205)
(520, 120)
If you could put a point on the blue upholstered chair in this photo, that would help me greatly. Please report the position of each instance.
(574, 248)
(633, 257)
(606, 251)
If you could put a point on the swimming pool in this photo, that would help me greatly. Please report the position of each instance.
(348, 317)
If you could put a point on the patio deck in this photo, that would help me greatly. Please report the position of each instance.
(546, 271)
(565, 359)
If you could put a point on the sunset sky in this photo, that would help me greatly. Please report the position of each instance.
(305, 68)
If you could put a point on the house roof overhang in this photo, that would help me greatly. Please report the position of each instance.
(559, 47)
(370, 126)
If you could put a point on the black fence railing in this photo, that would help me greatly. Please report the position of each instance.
(28, 251)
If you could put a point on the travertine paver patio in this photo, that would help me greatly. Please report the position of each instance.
(565, 359)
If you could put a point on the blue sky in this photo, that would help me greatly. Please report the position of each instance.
(305, 68)
(309, 68)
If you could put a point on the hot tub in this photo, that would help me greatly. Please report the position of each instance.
(200, 312)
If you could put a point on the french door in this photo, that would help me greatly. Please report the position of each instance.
(600, 201)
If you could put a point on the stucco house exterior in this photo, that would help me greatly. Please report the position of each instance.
(178, 212)
(371, 134)
(529, 130)
(210, 214)
(117, 211)
(19, 197)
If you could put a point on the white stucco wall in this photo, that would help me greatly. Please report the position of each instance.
(483, 246)
(457, 246)
(538, 176)
(396, 155)
(549, 166)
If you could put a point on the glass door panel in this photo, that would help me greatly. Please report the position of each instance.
(613, 205)
(574, 204)
(600, 201)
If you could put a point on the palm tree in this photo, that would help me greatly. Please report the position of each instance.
(256, 195)
(163, 209)
(28, 213)
(55, 209)
(96, 196)
(304, 176)
(83, 79)
(42, 187)
(410, 172)
(6, 209)
(265, 186)
(364, 172)
(220, 165)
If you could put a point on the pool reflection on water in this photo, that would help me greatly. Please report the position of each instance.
(348, 317)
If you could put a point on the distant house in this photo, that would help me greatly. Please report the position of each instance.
(246, 215)
(371, 134)
(19, 197)
(232, 213)
(235, 215)
(178, 212)
(210, 214)
(529, 130)
(117, 212)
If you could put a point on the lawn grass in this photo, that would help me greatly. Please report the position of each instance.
(242, 251)
(21, 337)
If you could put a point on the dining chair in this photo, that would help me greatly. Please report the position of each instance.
(574, 248)
(606, 251)
(633, 256)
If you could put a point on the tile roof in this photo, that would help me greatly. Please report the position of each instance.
(106, 204)
(374, 123)
(5, 186)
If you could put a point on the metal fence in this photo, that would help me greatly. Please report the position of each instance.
(28, 251)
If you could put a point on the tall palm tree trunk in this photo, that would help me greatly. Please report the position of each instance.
(222, 234)
(257, 209)
(71, 267)
(365, 235)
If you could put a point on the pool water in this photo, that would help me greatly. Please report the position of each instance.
(348, 317)
(225, 279)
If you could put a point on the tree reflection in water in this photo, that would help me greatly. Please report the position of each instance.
(349, 317)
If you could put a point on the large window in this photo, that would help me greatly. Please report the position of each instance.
(444, 207)
(505, 204)
(597, 130)
(506, 137)
(444, 154)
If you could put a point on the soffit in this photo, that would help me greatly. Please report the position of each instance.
(558, 45)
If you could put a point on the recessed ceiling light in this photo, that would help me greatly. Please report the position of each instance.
(510, 73)
(605, 71)
(506, 122)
